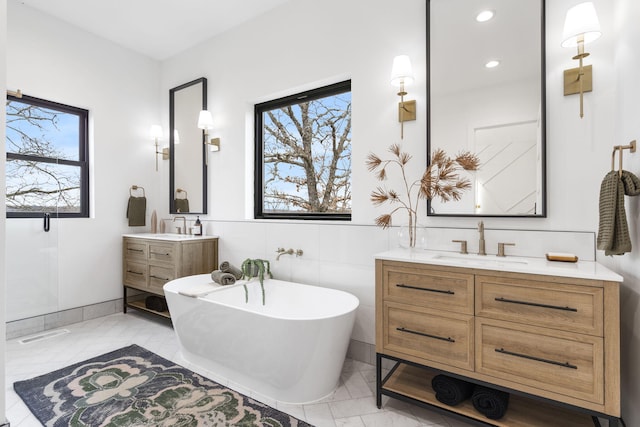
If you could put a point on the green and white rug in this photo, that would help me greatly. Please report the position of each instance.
(135, 387)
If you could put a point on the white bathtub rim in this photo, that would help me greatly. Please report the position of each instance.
(174, 287)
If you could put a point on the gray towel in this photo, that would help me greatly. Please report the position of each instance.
(225, 267)
(181, 205)
(613, 231)
(136, 211)
(223, 278)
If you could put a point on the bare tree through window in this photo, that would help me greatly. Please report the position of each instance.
(305, 154)
(46, 158)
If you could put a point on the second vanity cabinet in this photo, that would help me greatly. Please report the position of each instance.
(149, 262)
(550, 340)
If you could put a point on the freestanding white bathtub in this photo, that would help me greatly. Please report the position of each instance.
(291, 349)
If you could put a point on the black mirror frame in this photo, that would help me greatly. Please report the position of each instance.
(543, 99)
(172, 207)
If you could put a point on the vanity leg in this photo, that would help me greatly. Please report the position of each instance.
(378, 380)
(124, 300)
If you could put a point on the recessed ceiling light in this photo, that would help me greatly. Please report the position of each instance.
(492, 64)
(485, 15)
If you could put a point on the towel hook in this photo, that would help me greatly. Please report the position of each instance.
(180, 190)
(631, 147)
(134, 188)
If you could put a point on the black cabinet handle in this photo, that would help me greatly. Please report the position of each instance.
(135, 272)
(422, 334)
(160, 278)
(535, 304)
(537, 359)
(160, 253)
(47, 222)
(402, 285)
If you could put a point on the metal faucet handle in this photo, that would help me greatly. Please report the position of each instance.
(463, 246)
(501, 248)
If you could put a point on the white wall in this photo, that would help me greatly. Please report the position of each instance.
(49, 59)
(627, 128)
(3, 87)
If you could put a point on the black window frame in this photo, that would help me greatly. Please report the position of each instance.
(82, 162)
(259, 109)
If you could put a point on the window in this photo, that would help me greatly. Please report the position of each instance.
(303, 155)
(47, 159)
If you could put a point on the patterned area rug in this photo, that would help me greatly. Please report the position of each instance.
(135, 387)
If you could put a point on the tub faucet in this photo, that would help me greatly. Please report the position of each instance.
(290, 251)
(184, 224)
(282, 251)
(481, 249)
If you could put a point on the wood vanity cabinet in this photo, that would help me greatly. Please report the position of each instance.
(149, 263)
(552, 342)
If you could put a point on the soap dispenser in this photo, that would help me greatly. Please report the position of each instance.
(198, 227)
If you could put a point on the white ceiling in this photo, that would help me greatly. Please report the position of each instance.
(156, 28)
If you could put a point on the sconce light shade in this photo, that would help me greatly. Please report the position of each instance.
(581, 26)
(401, 71)
(581, 21)
(155, 132)
(205, 120)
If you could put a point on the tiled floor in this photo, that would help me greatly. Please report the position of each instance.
(351, 405)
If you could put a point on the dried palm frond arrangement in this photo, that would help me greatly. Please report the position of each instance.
(441, 180)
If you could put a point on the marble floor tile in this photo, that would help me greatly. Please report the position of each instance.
(352, 404)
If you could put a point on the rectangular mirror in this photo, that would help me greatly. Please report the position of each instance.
(187, 162)
(496, 112)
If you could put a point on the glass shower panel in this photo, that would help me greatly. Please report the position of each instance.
(32, 267)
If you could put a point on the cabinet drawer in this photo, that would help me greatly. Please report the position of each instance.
(440, 290)
(429, 334)
(135, 274)
(559, 362)
(162, 253)
(158, 276)
(136, 250)
(559, 306)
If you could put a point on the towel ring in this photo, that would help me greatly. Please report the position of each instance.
(134, 188)
(180, 190)
(631, 147)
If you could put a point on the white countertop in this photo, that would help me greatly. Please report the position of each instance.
(581, 269)
(172, 237)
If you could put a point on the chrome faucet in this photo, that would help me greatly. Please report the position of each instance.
(184, 224)
(481, 248)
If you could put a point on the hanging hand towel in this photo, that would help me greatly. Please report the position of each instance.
(136, 211)
(613, 231)
(181, 205)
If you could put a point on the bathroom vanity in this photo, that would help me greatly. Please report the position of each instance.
(547, 332)
(151, 260)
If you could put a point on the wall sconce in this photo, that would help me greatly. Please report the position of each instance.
(205, 122)
(401, 76)
(581, 26)
(156, 133)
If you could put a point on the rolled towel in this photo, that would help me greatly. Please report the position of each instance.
(223, 278)
(156, 303)
(226, 267)
(489, 402)
(451, 391)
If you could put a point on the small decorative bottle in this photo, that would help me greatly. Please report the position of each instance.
(198, 227)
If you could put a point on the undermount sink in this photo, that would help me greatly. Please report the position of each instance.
(472, 259)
